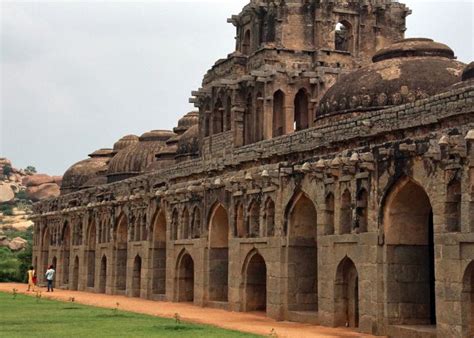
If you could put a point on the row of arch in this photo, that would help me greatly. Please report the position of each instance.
(408, 244)
(219, 119)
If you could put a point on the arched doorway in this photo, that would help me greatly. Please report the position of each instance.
(467, 299)
(185, 277)
(343, 37)
(246, 43)
(159, 254)
(301, 110)
(75, 274)
(121, 254)
(103, 275)
(346, 295)
(302, 254)
(91, 243)
(410, 263)
(218, 254)
(255, 284)
(45, 252)
(137, 276)
(66, 251)
(279, 113)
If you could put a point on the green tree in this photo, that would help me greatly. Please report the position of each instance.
(9, 266)
(30, 170)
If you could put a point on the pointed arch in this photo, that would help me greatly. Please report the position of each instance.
(75, 275)
(159, 253)
(248, 120)
(246, 42)
(241, 230)
(185, 225)
(362, 209)
(65, 251)
(218, 117)
(409, 246)
(196, 223)
(228, 114)
(174, 224)
(301, 220)
(346, 294)
(103, 275)
(218, 254)
(301, 216)
(453, 206)
(255, 282)
(137, 276)
(91, 247)
(269, 217)
(185, 277)
(279, 115)
(253, 216)
(345, 218)
(121, 245)
(329, 214)
(259, 111)
(301, 112)
(467, 301)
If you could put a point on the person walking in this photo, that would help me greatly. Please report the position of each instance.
(50, 277)
(31, 279)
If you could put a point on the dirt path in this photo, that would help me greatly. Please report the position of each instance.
(246, 322)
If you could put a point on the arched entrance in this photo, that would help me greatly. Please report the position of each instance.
(137, 276)
(185, 279)
(302, 254)
(410, 264)
(467, 299)
(301, 110)
(255, 277)
(346, 295)
(121, 254)
(91, 242)
(218, 254)
(159, 254)
(75, 274)
(45, 253)
(279, 113)
(103, 275)
(66, 251)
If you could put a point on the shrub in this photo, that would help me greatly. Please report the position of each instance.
(7, 170)
(30, 170)
(9, 266)
(21, 195)
(6, 209)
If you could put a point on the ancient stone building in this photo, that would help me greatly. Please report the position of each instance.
(327, 177)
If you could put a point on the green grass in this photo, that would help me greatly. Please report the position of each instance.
(24, 316)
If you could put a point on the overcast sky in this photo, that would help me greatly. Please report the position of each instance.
(78, 75)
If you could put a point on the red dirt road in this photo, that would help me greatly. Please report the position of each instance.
(246, 322)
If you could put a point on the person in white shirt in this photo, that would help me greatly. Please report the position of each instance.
(50, 277)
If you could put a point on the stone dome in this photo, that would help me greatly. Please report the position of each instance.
(87, 173)
(186, 122)
(406, 71)
(125, 142)
(134, 159)
(165, 157)
(188, 144)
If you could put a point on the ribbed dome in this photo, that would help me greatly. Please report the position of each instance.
(403, 72)
(188, 144)
(186, 122)
(125, 142)
(134, 159)
(87, 173)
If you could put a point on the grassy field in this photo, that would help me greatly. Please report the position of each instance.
(24, 316)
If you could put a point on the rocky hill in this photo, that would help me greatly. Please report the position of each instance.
(19, 189)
